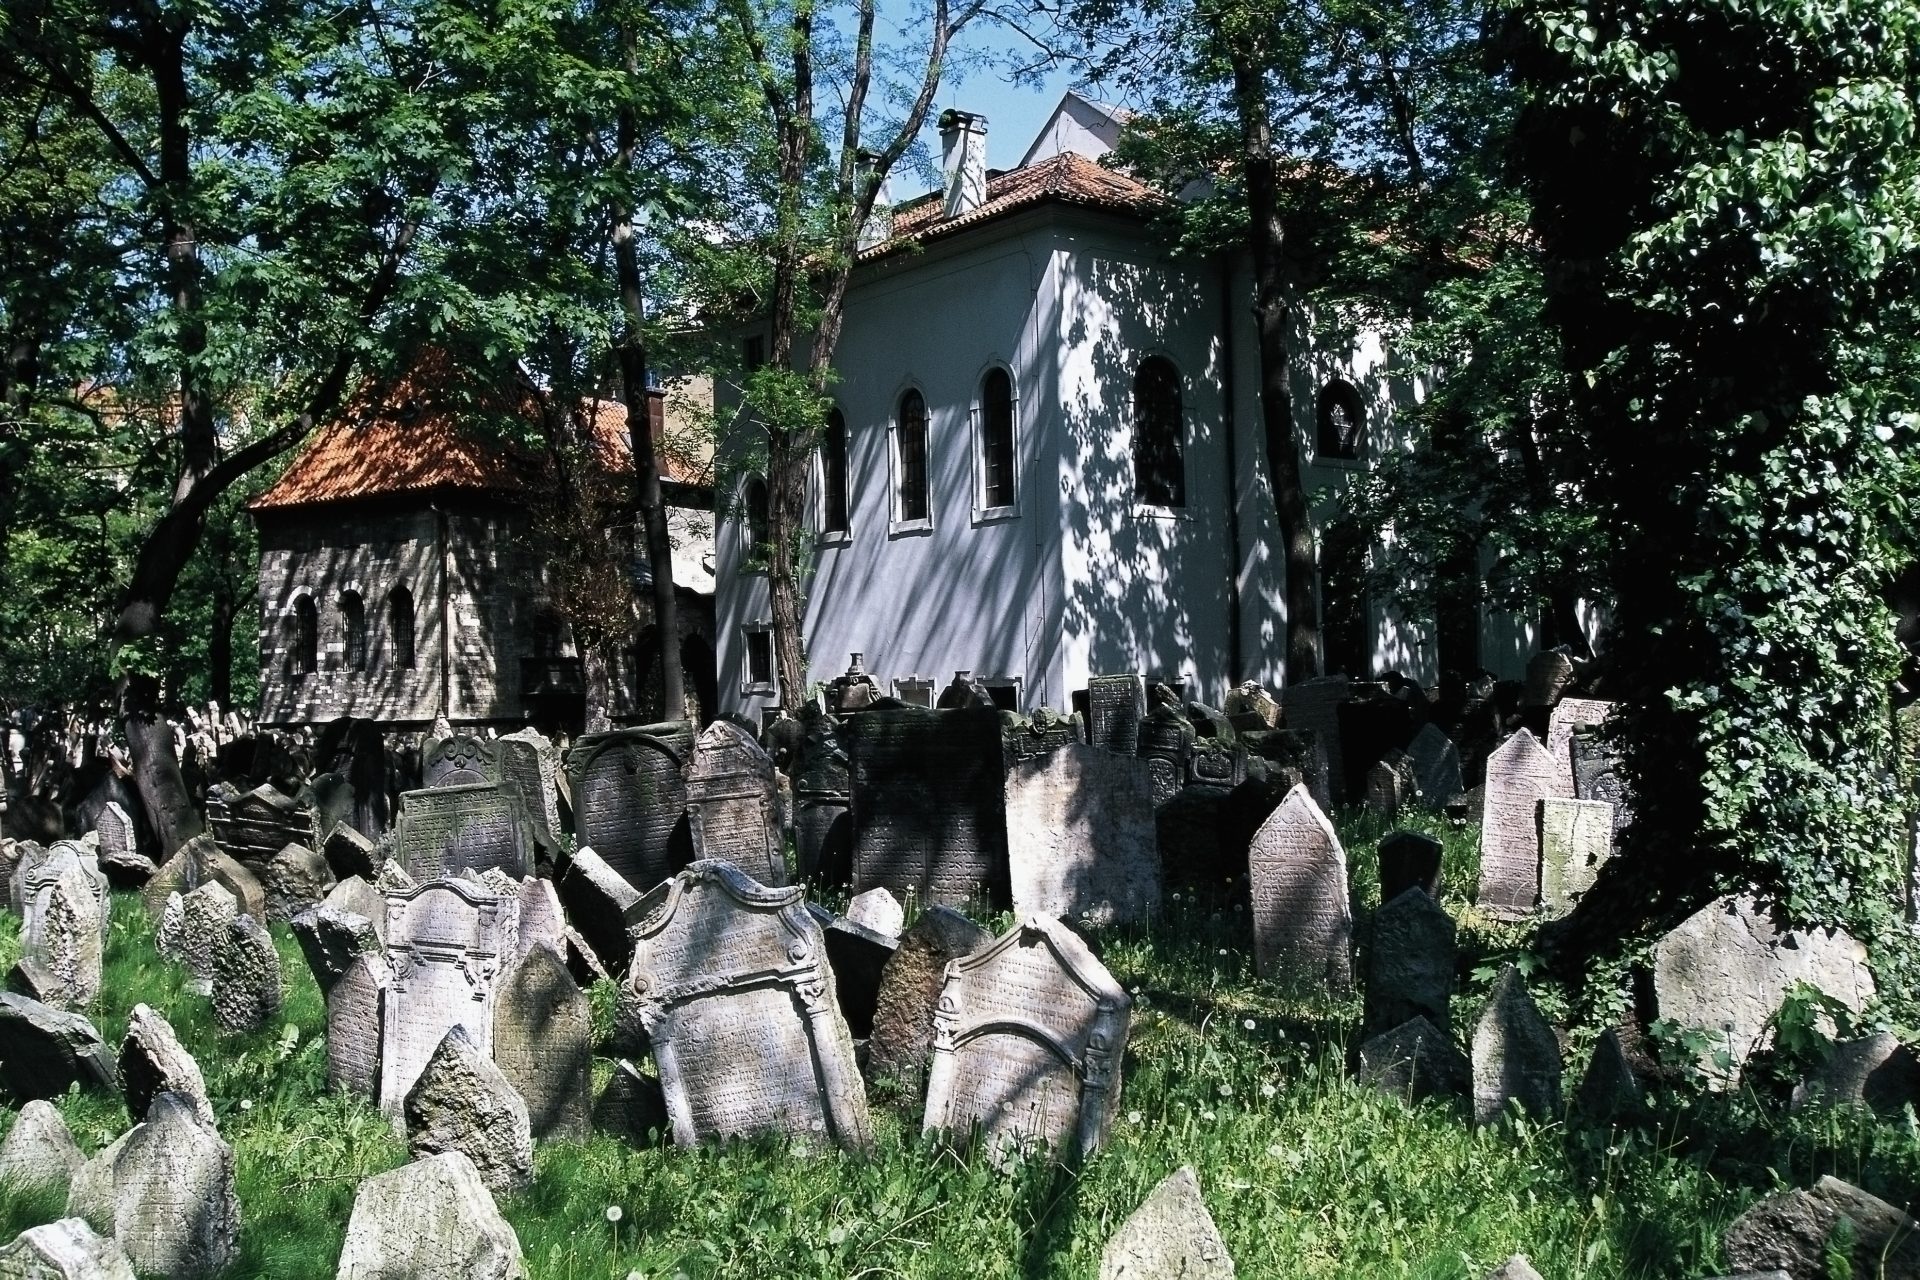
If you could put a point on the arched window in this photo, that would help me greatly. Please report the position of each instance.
(754, 498)
(910, 447)
(1342, 419)
(400, 627)
(1159, 470)
(996, 439)
(353, 618)
(833, 474)
(305, 656)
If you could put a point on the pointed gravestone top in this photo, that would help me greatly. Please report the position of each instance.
(1415, 1060)
(1436, 767)
(1520, 774)
(1302, 922)
(1410, 967)
(1609, 1091)
(1515, 1054)
(1409, 859)
(1171, 1234)
(733, 803)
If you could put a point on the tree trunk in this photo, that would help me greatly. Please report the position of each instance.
(1265, 237)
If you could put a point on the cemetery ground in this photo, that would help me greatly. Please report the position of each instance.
(1306, 1171)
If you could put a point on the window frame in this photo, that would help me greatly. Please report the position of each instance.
(1339, 391)
(750, 687)
(355, 636)
(303, 647)
(1142, 506)
(823, 536)
(985, 512)
(404, 657)
(752, 557)
(1016, 683)
(898, 522)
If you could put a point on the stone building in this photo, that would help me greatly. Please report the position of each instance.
(402, 575)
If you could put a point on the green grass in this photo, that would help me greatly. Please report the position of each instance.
(1306, 1173)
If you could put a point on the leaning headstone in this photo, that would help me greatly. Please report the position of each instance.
(600, 903)
(165, 1192)
(443, 831)
(1252, 705)
(1609, 1092)
(39, 1151)
(295, 878)
(1876, 1071)
(1302, 923)
(1727, 969)
(630, 799)
(348, 854)
(528, 760)
(859, 957)
(1576, 839)
(446, 942)
(1081, 840)
(733, 804)
(1166, 742)
(204, 916)
(1115, 707)
(878, 910)
(40, 869)
(632, 1107)
(543, 1044)
(1436, 767)
(463, 1102)
(738, 998)
(153, 1062)
(1029, 1036)
(1410, 966)
(65, 1250)
(1390, 785)
(355, 896)
(901, 1046)
(1794, 1231)
(44, 1051)
(430, 1219)
(1407, 859)
(354, 1006)
(1171, 1234)
(928, 804)
(330, 939)
(1314, 705)
(542, 921)
(119, 855)
(65, 936)
(1520, 774)
(1415, 1060)
(1515, 1055)
(1570, 715)
(247, 988)
(1548, 673)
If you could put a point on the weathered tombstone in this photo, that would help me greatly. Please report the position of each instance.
(1436, 767)
(1520, 774)
(65, 1250)
(1548, 673)
(255, 826)
(901, 1046)
(39, 1151)
(1390, 785)
(39, 871)
(65, 938)
(738, 998)
(443, 831)
(463, 1102)
(350, 854)
(295, 878)
(165, 1192)
(1302, 922)
(120, 856)
(1795, 1232)
(445, 942)
(601, 904)
(1569, 716)
(1409, 858)
(247, 989)
(330, 939)
(733, 805)
(542, 921)
(1576, 837)
(1314, 705)
(356, 896)
(965, 691)
(1410, 965)
(153, 1062)
(854, 690)
(458, 760)
(1045, 731)
(878, 910)
(1252, 707)
(528, 761)
(204, 916)
(928, 804)
(1726, 969)
(630, 799)
(543, 1045)
(1081, 842)
(1029, 1036)
(1170, 1235)
(1515, 1055)
(1166, 740)
(43, 1050)
(858, 956)
(1609, 1092)
(822, 807)
(1596, 776)
(632, 1107)
(1116, 706)
(354, 1006)
(430, 1219)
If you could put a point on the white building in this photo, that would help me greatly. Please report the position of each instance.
(1047, 459)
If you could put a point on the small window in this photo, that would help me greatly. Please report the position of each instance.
(996, 439)
(1159, 471)
(306, 637)
(833, 474)
(910, 442)
(1342, 422)
(1004, 690)
(400, 627)
(754, 498)
(759, 658)
(353, 617)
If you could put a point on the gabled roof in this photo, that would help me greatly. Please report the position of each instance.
(1067, 178)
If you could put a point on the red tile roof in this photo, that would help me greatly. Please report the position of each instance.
(1068, 178)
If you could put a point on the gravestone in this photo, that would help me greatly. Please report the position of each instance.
(433, 1219)
(1029, 1035)
(43, 1051)
(1081, 841)
(39, 1152)
(1436, 767)
(1576, 837)
(330, 938)
(1302, 922)
(1520, 774)
(458, 760)
(1515, 1055)
(738, 998)
(357, 896)
(1045, 731)
(542, 1044)
(1410, 966)
(859, 956)
(1597, 776)
(204, 916)
(443, 831)
(65, 938)
(350, 854)
(1794, 1232)
(878, 910)
(1409, 858)
(1548, 673)
(253, 827)
(165, 1192)
(822, 807)
(601, 904)
(630, 799)
(40, 869)
(528, 762)
(1609, 1091)
(1569, 716)
(295, 878)
(1250, 706)
(445, 942)
(853, 690)
(733, 805)
(1876, 1071)
(153, 1062)
(1314, 705)
(1116, 706)
(463, 1102)
(1390, 785)
(542, 921)
(901, 1045)
(928, 804)
(65, 1250)
(1166, 741)
(247, 989)
(964, 691)
(354, 1005)
(1171, 1235)
(632, 1108)
(120, 856)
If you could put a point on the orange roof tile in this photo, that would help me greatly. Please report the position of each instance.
(1068, 177)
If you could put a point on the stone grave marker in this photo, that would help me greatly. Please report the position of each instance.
(330, 938)
(1569, 716)
(349, 854)
(601, 905)
(1597, 776)
(1081, 840)
(247, 989)
(1609, 1091)
(1390, 785)
(1410, 966)
(40, 870)
(39, 1151)
(1028, 1040)
(445, 941)
(1302, 922)
(1166, 741)
(1250, 706)
(43, 1050)
(1436, 767)
(295, 878)
(1515, 1054)
(1116, 706)
(253, 827)
(542, 921)
(462, 1102)
(1314, 705)
(153, 1062)
(354, 1005)
(822, 807)
(443, 831)
(204, 916)
(901, 1045)
(737, 996)
(66, 938)
(1170, 1235)
(120, 855)
(68, 1249)
(928, 804)
(543, 1044)
(1576, 837)
(878, 910)
(630, 799)
(859, 957)
(631, 1107)
(1409, 858)
(733, 804)
(165, 1192)
(458, 760)
(1520, 774)
(527, 762)
(427, 1220)
(1548, 673)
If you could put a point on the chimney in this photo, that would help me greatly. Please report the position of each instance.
(878, 228)
(963, 160)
